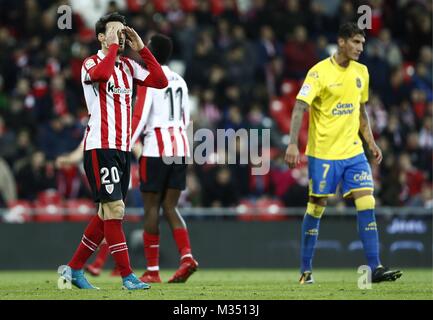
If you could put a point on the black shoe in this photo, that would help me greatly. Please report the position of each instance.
(382, 273)
(306, 278)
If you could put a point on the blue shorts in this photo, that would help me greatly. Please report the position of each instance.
(325, 175)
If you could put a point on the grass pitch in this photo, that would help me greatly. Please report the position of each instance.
(227, 284)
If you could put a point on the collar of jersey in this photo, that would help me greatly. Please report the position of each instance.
(336, 65)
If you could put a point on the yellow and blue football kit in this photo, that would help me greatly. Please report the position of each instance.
(335, 155)
(334, 148)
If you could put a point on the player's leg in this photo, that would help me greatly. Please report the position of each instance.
(188, 265)
(324, 177)
(358, 183)
(367, 228)
(152, 178)
(151, 202)
(92, 237)
(115, 169)
(176, 222)
(113, 215)
(95, 268)
(175, 184)
(310, 233)
(94, 232)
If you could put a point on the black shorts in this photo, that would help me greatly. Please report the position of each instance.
(157, 176)
(108, 172)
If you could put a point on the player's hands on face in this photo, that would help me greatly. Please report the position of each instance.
(112, 36)
(377, 153)
(292, 156)
(133, 39)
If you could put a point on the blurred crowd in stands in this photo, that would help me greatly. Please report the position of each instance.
(244, 61)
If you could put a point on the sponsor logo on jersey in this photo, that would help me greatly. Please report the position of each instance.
(342, 109)
(358, 83)
(118, 90)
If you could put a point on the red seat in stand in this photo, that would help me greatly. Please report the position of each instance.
(48, 207)
(19, 211)
(270, 209)
(78, 210)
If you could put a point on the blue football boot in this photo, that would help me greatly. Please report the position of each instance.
(79, 280)
(131, 282)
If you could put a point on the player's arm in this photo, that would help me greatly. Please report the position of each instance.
(292, 152)
(310, 89)
(71, 158)
(102, 71)
(367, 134)
(155, 76)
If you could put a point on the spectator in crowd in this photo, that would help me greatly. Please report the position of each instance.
(36, 176)
(8, 191)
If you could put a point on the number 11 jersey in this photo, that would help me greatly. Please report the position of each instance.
(162, 116)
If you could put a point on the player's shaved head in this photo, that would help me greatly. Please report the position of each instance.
(161, 47)
(349, 30)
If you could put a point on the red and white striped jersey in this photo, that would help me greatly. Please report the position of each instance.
(163, 115)
(109, 103)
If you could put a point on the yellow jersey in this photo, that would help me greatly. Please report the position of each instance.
(334, 94)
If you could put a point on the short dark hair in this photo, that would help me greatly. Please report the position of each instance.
(101, 24)
(349, 30)
(161, 47)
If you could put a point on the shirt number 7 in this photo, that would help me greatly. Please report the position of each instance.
(326, 167)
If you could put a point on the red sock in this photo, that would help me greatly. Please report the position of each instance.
(92, 237)
(151, 251)
(102, 255)
(181, 237)
(117, 243)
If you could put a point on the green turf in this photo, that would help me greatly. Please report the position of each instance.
(225, 285)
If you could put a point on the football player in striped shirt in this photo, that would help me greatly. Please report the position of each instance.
(162, 116)
(107, 80)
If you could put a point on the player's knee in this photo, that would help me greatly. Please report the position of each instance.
(365, 203)
(315, 210)
(320, 201)
(114, 210)
(168, 209)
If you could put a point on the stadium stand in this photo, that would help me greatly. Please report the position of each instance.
(243, 62)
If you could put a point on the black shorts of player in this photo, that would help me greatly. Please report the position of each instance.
(108, 172)
(157, 176)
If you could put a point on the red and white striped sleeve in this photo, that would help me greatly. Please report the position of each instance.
(154, 76)
(100, 71)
